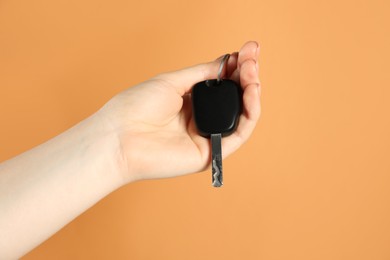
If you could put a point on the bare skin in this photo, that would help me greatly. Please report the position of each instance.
(144, 132)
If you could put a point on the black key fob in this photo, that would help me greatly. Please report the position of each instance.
(216, 106)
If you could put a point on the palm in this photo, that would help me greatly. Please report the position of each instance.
(161, 127)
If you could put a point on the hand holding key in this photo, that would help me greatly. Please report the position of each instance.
(147, 131)
(154, 120)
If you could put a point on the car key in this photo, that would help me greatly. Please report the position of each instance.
(217, 105)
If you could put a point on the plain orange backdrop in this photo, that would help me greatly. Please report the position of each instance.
(313, 182)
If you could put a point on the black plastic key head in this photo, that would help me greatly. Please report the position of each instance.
(217, 106)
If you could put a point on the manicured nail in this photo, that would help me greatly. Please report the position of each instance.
(257, 49)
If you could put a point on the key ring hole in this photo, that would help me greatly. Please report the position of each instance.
(209, 83)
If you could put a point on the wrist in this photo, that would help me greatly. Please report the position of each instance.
(110, 135)
(105, 147)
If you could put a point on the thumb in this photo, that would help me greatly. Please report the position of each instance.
(183, 80)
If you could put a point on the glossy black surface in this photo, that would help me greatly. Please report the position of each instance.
(216, 106)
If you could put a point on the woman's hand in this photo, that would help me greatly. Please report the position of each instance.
(153, 120)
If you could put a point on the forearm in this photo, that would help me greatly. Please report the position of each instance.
(45, 188)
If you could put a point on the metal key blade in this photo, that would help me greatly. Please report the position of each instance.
(216, 159)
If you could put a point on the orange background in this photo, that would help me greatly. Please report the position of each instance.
(313, 181)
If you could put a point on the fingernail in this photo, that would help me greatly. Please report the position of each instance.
(259, 89)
